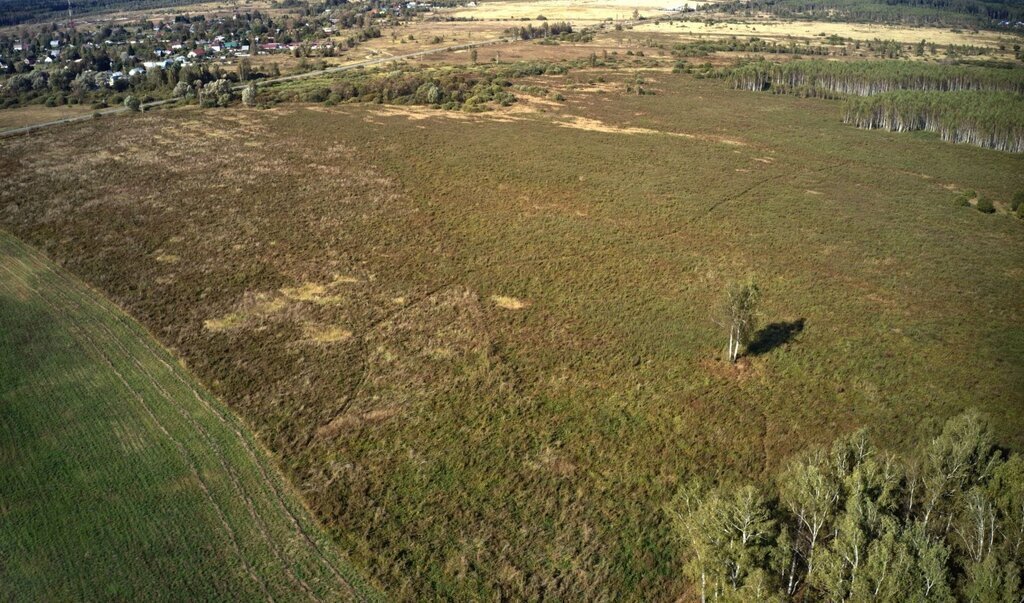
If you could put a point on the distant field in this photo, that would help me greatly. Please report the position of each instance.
(571, 10)
(481, 345)
(25, 116)
(121, 478)
(774, 28)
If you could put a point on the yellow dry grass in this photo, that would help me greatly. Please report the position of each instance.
(326, 333)
(167, 258)
(262, 307)
(509, 303)
(770, 29)
(34, 114)
(570, 10)
(310, 292)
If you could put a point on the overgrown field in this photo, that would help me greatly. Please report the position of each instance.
(121, 478)
(481, 344)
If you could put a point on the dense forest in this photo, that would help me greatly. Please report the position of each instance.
(856, 523)
(994, 120)
(949, 13)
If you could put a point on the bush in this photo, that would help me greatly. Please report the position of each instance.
(132, 103)
(1018, 200)
(963, 201)
(985, 206)
(249, 95)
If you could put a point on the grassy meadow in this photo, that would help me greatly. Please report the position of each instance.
(121, 478)
(481, 346)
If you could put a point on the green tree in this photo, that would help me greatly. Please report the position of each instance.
(1017, 201)
(249, 94)
(244, 70)
(738, 315)
(962, 455)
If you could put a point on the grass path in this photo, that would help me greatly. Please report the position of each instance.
(121, 478)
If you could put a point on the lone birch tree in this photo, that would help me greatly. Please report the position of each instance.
(738, 314)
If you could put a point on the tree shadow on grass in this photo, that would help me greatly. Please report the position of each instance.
(773, 336)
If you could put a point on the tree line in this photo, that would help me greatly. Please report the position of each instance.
(946, 13)
(830, 79)
(468, 89)
(544, 30)
(993, 120)
(853, 522)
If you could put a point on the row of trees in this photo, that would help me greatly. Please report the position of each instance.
(704, 48)
(832, 78)
(856, 523)
(544, 30)
(994, 120)
(69, 86)
(470, 89)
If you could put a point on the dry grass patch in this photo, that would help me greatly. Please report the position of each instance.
(326, 333)
(34, 114)
(572, 10)
(254, 307)
(769, 29)
(509, 303)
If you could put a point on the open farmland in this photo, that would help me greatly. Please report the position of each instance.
(120, 478)
(481, 345)
(779, 30)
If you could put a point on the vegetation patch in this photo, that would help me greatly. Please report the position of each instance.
(853, 522)
(459, 450)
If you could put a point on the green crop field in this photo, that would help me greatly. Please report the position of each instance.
(481, 346)
(121, 478)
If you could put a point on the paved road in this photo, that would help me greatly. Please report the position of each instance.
(286, 78)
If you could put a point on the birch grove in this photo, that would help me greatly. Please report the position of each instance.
(854, 523)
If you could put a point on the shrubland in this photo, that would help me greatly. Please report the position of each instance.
(482, 345)
(468, 88)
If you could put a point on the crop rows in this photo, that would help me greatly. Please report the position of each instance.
(121, 478)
